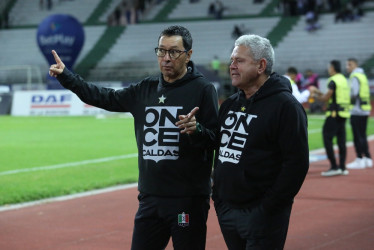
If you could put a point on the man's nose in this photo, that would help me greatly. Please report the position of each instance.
(167, 56)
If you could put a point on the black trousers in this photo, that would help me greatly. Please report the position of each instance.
(253, 229)
(159, 218)
(335, 126)
(359, 125)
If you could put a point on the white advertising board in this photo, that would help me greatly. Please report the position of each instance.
(51, 103)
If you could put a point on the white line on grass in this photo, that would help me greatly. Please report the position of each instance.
(110, 189)
(69, 164)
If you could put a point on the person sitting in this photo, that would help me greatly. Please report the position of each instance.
(311, 18)
(211, 9)
(236, 32)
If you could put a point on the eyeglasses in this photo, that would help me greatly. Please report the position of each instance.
(173, 53)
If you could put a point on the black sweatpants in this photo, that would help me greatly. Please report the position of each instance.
(359, 125)
(335, 126)
(253, 229)
(159, 218)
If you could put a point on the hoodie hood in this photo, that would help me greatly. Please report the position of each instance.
(274, 84)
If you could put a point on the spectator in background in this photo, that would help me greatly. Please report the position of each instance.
(49, 4)
(311, 19)
(212, 9)
(334, 5)
(219, 8)
(345, 14)
(351, 11)
(357, 8)
(215, 64)
(292, 7)
(128, 13)
(4, 20)
(140, 7)
(117, 15)
(236, 32)
(312, 81)
(299, 79)
(338, 98)
(303, 96)
(360, 99)
(301, 7)
(175, 150)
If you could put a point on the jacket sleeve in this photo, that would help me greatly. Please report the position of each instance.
(106, 98)
(294, 149)
(207, 117)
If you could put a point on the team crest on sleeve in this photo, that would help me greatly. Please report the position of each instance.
(161, 136)
(183, 219)
(234, 130)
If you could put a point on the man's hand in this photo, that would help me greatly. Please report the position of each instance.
(188, 122)
(313, 90)
(57, 68)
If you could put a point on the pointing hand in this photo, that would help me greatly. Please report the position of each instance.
(188, 122)
(57, 68)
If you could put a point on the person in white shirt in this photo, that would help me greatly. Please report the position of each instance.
(300, 96)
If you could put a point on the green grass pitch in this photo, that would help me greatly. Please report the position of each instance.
(42, 157)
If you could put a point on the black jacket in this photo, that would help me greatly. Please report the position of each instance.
(170, 163)
(263, 154)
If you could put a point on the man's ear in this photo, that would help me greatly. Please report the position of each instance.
(189, 54)
(261, 66)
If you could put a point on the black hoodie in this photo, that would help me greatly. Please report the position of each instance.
(263, 154)
(170, 163)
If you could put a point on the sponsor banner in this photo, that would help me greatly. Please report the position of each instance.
(51, 103)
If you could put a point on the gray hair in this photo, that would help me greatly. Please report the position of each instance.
(260, 47)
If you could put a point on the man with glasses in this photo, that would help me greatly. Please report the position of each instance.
(175, 150)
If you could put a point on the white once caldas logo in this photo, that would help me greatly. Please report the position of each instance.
(234, 130)
(161, 136)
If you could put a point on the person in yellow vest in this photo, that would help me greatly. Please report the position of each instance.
(338, 99)
(360, 100)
